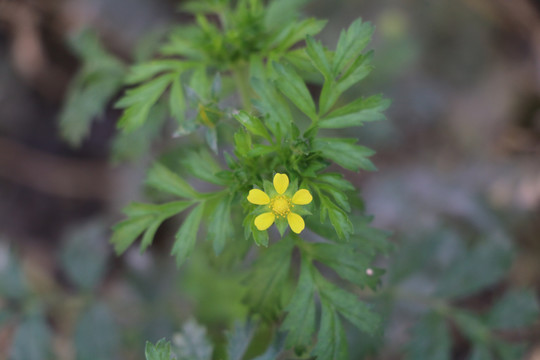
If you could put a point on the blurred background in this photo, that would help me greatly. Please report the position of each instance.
(458, 179)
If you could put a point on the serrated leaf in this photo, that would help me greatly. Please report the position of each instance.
(345, 153)
(331, 339)
(147, 70)
(177, 103)
(32, 340)
(430, 339)
(349, 306)
(96, 334)
(253, 124)
(160, 351)
(338, 218)
(163, 179)
(133, 145)
(300, 320)
(356, 113)
(349, 264)
(143, 218)
(358, 70)
(515, 309)
(125, 232)
(295, 32)
(267, 279)
(219, 224)
(282, 12)
(138, 101)
(272, 103)
(294, 88)
(203, 165)
(317, 53)
(187, 235)
(351, 43)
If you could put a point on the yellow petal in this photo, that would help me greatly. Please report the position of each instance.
(296, 222)
(258, 197)
(281, 183)
(302, 197)
(263, 221)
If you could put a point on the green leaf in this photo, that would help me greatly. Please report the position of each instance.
(125, 232)
(349, 306)
(143, 218)
(300, 320)
(430, 339)
(147, 70)
(267, 279)
(133, 145)
(516, 309)
(187, 235)
(282, 12)
(331, 339)
(351, 43)
(163, 179)
(339, 219)
(192, 343)
(294, 88)
(96, 334)
(356, 72)
(98, 80)
(295, 32)
(177, 104)
(253, 124)
(345, 153)
(203, 165)
(356, 113)
(239, 339)
(242, 143)
(84, 256)
(317, 54)
(219, 224)
(160, 351)
(32, 340)
(348, 263)
(272, 103)
(138, 101)
(483, 266)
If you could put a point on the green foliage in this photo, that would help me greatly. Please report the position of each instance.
(266, 53)
(160, 351)
(99, 78)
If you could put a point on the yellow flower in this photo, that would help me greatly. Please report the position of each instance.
(280, 205)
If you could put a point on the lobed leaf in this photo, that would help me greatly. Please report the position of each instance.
(356, 113)
(344, 152)
(186, 236)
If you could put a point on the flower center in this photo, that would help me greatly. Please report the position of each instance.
(280, 205)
